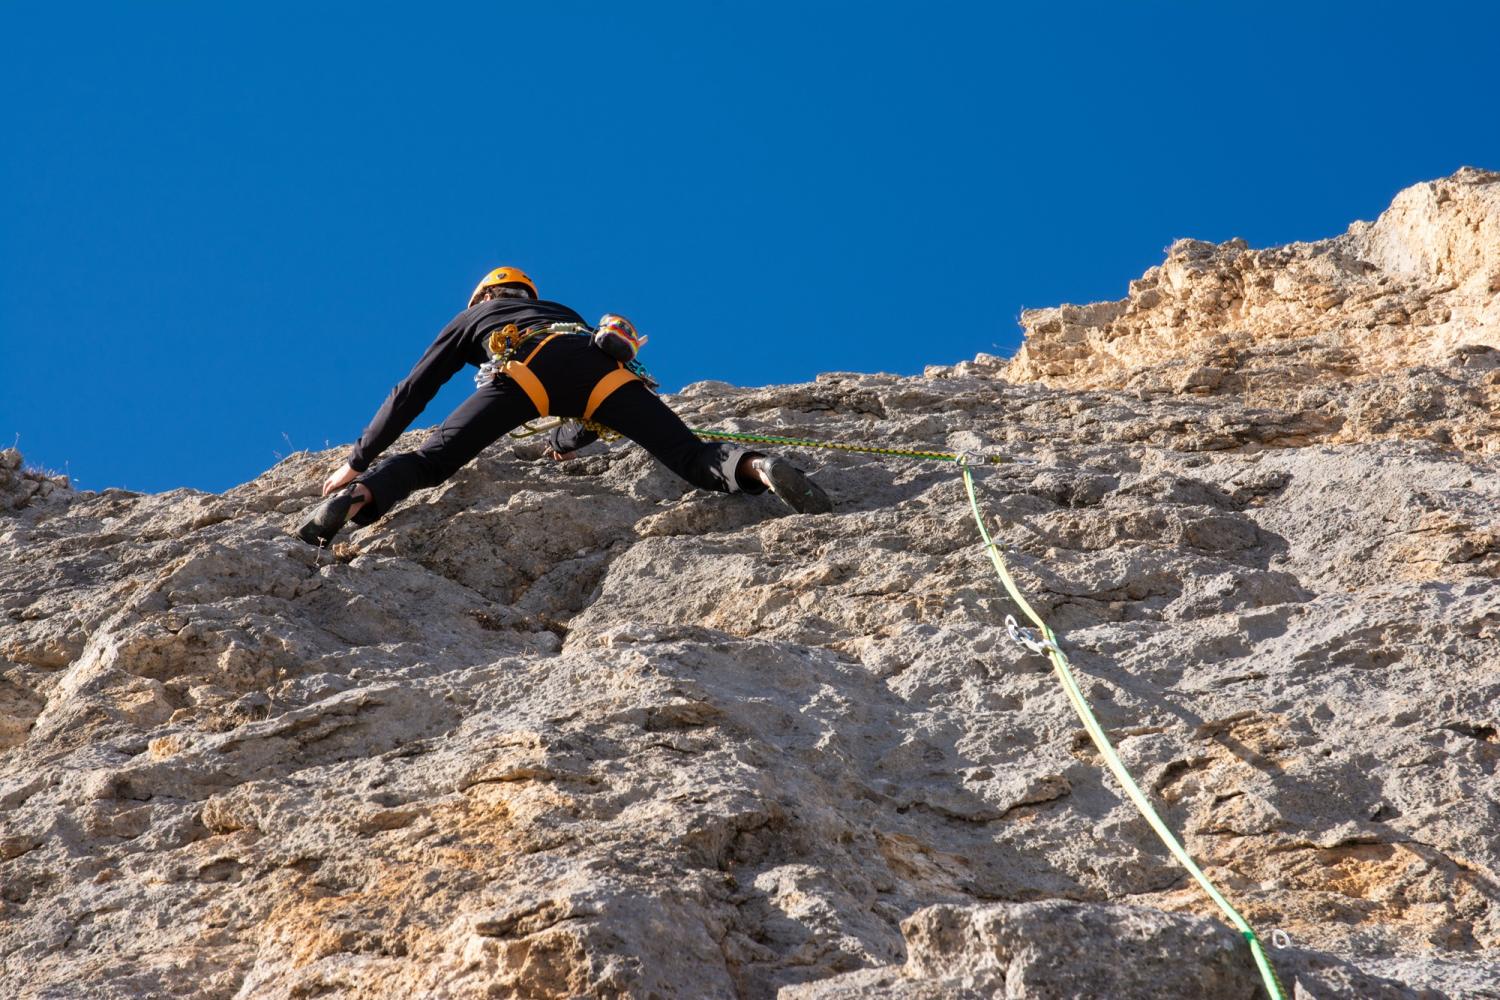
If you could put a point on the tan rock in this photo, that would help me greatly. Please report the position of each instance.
(1418, 287)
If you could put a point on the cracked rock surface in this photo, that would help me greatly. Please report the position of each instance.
(557, 730)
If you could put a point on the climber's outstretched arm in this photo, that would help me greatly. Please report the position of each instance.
(448, 353)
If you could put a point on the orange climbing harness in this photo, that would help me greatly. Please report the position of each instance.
(503, 344)
(606, 386)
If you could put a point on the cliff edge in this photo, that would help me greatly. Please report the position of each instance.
(1390, 306)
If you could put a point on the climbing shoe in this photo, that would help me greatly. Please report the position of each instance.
(325, 520)
(531, 451)
(792, 485)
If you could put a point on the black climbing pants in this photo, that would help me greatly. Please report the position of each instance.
(568, 367)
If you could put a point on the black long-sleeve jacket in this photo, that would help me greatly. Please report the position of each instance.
(461, 342)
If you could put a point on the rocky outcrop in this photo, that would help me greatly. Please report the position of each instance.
(20, 486)
(1084, 950)
(1392, 309)
(569, 729)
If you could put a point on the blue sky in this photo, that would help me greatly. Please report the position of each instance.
(226, 229)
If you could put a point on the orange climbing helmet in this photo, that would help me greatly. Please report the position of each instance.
(512, 276)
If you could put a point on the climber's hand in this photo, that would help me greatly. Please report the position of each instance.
(338, 479)
(560, 456)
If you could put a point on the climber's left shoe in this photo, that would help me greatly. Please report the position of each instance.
(325, 520)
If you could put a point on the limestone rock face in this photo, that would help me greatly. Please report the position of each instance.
(572, 729)
(1053, 949)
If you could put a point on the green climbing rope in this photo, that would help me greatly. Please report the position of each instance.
(536, 427)
(1049, 643)
(934, 456)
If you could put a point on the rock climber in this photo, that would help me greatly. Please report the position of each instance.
(536, 358)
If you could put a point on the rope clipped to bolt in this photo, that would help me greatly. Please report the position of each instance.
(1042, 639)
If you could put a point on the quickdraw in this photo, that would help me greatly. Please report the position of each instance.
(1027, 637)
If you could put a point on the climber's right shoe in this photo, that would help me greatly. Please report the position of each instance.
(325, 520)
(791, 484)
(531, 451)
